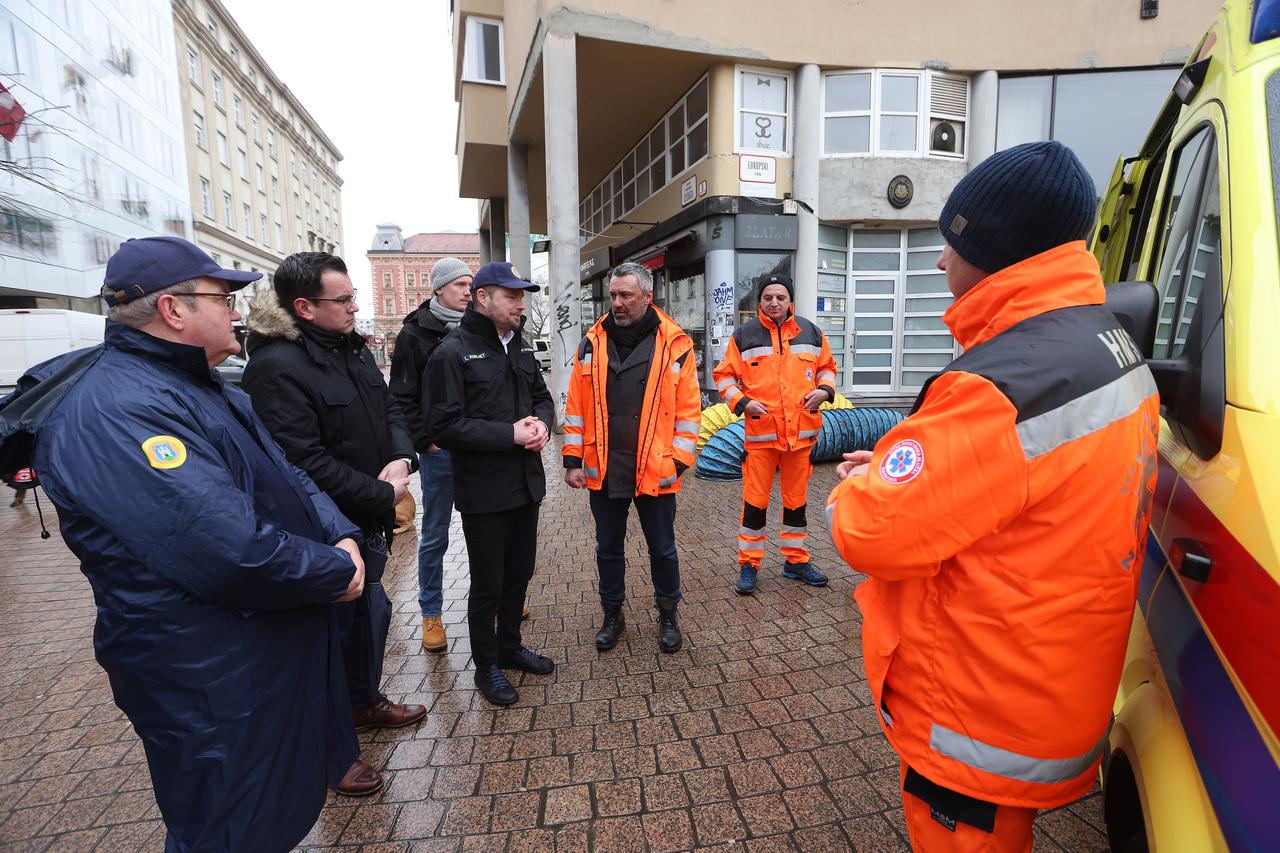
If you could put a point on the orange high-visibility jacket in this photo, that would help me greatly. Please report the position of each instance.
(778, 366)
(1002, 524)
(669, 417)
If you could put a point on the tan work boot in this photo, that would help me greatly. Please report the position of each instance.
(433, 636)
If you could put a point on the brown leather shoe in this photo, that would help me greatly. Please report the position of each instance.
(524, 614)
(434, 638)
(360, 781)
(385, 714)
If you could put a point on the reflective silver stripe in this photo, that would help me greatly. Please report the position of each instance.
(1089, 413)
(807, 433)
(592, 473)
(807, 349)
(572, 440)
(768, 436)
(884, 712)
(724, 384)
(586, 359)
(831, 530)
(688, 426)
(675, 367)
(747, 531)
(667, 481)
(789, 528)
(574, 420)
(826, 376)
(684, 443)
(749, 545)
(756, 352)
(1011, 765)
(732, 392)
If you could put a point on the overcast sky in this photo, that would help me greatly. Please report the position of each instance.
(378, 79)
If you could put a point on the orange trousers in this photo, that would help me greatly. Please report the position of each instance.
(1012, 832)
(757, 482)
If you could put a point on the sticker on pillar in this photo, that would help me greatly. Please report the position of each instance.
(903, 463)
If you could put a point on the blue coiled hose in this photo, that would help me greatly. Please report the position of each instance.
(843, 430)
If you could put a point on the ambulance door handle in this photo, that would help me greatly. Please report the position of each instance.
(1191, 560)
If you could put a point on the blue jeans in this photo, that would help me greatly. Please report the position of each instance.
(433, 540)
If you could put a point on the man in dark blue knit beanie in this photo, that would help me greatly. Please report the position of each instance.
(1016, 204)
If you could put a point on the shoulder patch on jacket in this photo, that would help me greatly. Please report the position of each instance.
(903, 463)
(164, 451)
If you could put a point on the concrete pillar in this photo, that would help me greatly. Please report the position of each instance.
(498, 229)
(518, 206)
(560, 112)
(984, 99)
(805, 161)
(485, 255)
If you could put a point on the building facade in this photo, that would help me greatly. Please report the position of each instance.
(821, 150)
(91, 145)
(400, 268)
(263, 176)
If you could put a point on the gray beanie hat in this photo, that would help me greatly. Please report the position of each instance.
(446, 270)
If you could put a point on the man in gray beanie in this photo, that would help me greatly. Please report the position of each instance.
(424, 328)
(1001, 523)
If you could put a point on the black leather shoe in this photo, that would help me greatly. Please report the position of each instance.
(611, 630)
(495, 687)
(528, 661)
(669, 638)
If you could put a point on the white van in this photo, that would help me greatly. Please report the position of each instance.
(29, 336)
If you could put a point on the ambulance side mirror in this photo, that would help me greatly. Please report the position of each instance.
(1136, 305)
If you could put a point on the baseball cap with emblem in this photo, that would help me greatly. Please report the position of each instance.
(146, 264)
(502, 274)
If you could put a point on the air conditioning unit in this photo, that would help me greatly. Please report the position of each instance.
(946, 136)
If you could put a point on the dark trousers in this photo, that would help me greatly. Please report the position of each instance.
(658, 521)
(501, 547)
(363, 625)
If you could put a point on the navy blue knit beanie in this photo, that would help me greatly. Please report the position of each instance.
(1018, 203)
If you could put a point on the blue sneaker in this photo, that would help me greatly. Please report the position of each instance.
(746, 580)
(804, 572)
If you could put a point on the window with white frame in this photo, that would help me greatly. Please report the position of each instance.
(880, 303)
(676, 143)
(248, 221)
(262, 229)
(244, 164)
(197, 121)
(193, 65)
(275, 189)
(228, 211)
(762, 107)
(262, 183)
(279, 237)
(271, 143)
(217, 89)
(482, 60)
(238, 107)
(894, 113)
(388, 303)
(256, 126)
(206, 203)
(223, 156)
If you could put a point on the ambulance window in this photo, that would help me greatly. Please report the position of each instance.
(1191, 239)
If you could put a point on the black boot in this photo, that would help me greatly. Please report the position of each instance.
(611, 630)
(669, 639)
(494, 685)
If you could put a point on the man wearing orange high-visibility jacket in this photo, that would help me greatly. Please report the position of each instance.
(630, 430)
(1002, 523)
(776, 372)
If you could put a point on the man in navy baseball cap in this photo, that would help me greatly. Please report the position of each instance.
(502, 274)
(147, 264)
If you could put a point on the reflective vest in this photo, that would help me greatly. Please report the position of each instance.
(778, 366)
(669, 417)
(1002, 524)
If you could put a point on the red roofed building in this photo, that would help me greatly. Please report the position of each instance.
(401, 270)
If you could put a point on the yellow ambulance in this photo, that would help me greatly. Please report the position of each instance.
(1190, 223)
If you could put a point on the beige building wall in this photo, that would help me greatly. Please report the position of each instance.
(269, 172)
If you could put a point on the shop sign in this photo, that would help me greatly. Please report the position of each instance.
(758, 168)
(766, 231)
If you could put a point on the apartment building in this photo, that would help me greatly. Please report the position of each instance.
(400, 268)
(719, 141)
(263, 175)
(90, 142)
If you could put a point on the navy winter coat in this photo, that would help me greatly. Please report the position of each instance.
(211, 564)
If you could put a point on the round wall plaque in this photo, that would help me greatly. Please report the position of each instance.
(900, 191)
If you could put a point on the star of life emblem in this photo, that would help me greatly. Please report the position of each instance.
(903, 462)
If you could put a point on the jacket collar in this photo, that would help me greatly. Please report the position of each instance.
(669, 330)
(320, 342)
(1062, 277)
(185, 357)
(478, 324)
(789, 323)
(423, 317)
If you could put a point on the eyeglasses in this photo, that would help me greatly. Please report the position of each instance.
(228, 298)
(344, 301)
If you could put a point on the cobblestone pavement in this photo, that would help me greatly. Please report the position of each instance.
(756, 736)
